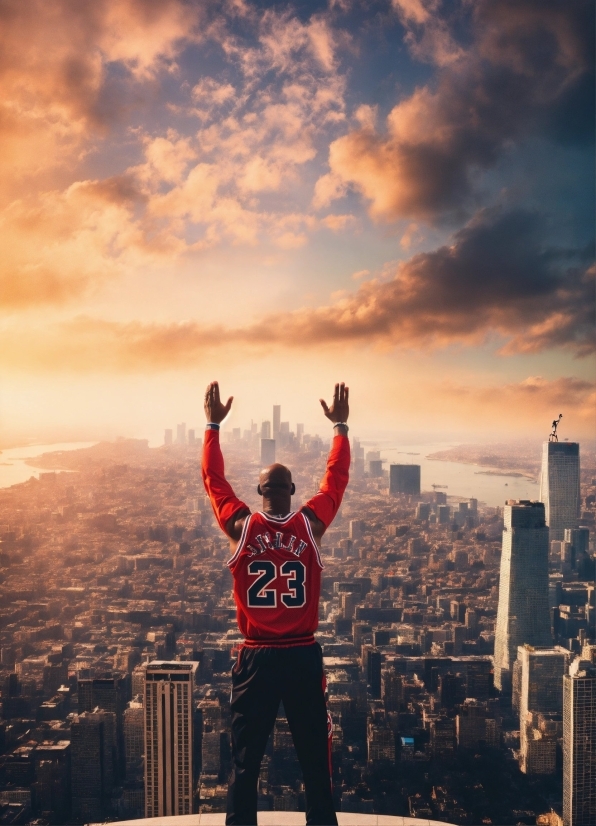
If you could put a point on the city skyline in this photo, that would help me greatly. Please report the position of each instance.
(398, 195)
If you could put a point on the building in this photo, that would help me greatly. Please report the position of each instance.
(276, 419)
(267, 452)
(107, 693)
(579, 744)
(92, 741)
(541, 673)
(134, 735)
(371, 666)
(181, 434)
(380, 742)
(266, 430)
(523, 614)
(52, 780)
(404, 479)
(559, 486)
(169, 731)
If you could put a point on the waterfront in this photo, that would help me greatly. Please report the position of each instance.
(14, 469)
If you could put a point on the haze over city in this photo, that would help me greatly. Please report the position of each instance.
(280, 196)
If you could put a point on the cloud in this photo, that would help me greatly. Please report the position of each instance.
(521, 403)
(497, 281)
(58, 87)
(529, 65)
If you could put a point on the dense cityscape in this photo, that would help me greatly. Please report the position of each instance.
(459, 638)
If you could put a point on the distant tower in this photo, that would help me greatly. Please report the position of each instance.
(169, 716)
(267, 452)
(167, 437)
(523, 614)
(191, 437)
(559, 486)
(579, 744)
(299, 432)
(404, 479)
(181, 434)
(276, 419)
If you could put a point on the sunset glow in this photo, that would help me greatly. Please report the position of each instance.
(396, 194)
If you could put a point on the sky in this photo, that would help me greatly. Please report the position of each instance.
(395, 194)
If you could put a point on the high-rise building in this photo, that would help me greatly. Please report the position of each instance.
(540, 691)
(371, 666)
(191, 436)
(107, 693)
(523, 614)
(579, 744)
(276, 419)
(52, 780)
(169, 731)
(267, 452)
(299, 432)
(181, 434)
(404, 479)
(134, 735)
(168, 436)
(92, 738)
(559, 486)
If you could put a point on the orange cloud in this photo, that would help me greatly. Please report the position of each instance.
(53, 70)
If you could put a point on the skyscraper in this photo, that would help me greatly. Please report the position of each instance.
(276, 419)
(579, 744)
(541, 691)
(93, 737)
(181, 434)
(559, 486)
(523, 614)
(267, 452)
(169, 718)
(404, 479)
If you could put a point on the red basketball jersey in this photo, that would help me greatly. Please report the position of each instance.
(277, 580)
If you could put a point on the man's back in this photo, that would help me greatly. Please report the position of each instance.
(277, 580)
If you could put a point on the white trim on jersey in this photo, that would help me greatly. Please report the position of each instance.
(278, 520)
(238, 551)
(313, 540)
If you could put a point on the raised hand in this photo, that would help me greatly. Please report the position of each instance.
(340, 409)
(215, 410)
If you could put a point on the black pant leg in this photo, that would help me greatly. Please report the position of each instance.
(255, 700)
(304, 702)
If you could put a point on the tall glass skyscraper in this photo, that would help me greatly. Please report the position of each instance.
(523, 614)
(559, 486)
(579, 744)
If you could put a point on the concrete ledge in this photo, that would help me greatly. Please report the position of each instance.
(282, 819)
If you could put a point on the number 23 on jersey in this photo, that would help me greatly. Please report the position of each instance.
(290, 578)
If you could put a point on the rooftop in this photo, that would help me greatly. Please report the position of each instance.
(283, 819)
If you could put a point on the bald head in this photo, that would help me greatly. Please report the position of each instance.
(276, 488)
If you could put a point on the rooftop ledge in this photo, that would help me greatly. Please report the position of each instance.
(283, 819)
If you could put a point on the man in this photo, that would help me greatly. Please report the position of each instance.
(276, 567)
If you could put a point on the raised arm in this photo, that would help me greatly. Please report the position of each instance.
(228, 509)
(323, 506)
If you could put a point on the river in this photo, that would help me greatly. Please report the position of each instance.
(13, 468)
(455, 478)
